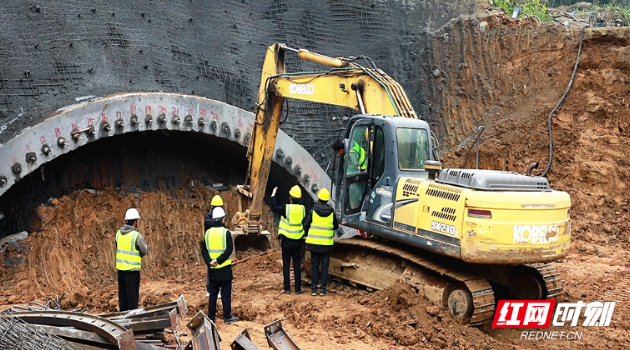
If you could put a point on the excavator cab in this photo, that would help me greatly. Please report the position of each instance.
(379, 151)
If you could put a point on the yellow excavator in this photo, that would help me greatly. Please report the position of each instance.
(461, 237)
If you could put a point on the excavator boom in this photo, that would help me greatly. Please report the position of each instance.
(367, 90)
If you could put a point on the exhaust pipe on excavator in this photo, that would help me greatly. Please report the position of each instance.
(531, 167)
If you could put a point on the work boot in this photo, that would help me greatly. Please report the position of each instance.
(230, 320)
(314, 292)
(286, 291)
(297, 292)
(323, 293)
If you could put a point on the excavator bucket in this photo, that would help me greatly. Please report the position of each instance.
(250, 244)
(248, 239)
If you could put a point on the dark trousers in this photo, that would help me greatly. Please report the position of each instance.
(128, 290)
(226, 298)
(317, 260)
(292, 250)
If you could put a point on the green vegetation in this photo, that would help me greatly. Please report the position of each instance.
(620, 3)
(619, 8)
(536, 8)
(623, 12)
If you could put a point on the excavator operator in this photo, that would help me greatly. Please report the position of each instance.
(357, 159)
(357, 163)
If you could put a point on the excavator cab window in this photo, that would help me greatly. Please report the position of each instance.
(357, 151)
(413, 148)
(378, 156)
(357, 165)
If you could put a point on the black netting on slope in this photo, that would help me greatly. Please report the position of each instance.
(52, 52)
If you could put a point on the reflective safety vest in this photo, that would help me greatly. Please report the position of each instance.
(216, 245)
(321, 231)
(291, 227)
(127, 256)
(360, 154)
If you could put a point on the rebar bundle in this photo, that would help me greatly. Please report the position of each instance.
(17, 334)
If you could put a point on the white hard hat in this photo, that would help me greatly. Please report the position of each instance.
(218, 213)
(132, 214)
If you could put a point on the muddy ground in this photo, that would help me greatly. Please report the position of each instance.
(73, 251)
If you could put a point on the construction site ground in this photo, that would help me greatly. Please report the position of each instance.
(73, 251)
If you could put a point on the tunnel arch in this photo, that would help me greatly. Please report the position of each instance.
(205, 125)
(76, 126)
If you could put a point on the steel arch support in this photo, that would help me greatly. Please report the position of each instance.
(77, 125)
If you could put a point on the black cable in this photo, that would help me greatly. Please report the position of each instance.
(470, 148)
(263, 102)
(577, 61)
(286, 114)
(367, 59)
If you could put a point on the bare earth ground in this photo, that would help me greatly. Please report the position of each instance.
(74, 250)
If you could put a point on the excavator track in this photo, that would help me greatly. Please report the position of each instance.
(483, 302)
(362, 262)
(550, 275)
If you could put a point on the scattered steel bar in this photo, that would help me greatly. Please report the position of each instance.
(115, 333)
(156, 313)
(79, 310)
(277, 338)
(82, 346)
(179, 304)
(38, 304)
(73, 333)
(243, 342)
(23, 307)
(149, 323)
(175, 332)
(16, 334)
(204, 333)
(142, 346)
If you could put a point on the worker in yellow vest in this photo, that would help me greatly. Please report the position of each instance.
(216, 250)
(290, 230)
(216, 202)
(356, 158)
(320, 226)
(208, 221)
(130, 248)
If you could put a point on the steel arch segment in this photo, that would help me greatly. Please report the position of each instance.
(77, 125)
(107, 329)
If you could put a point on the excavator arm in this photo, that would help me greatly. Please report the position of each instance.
(348, 84)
